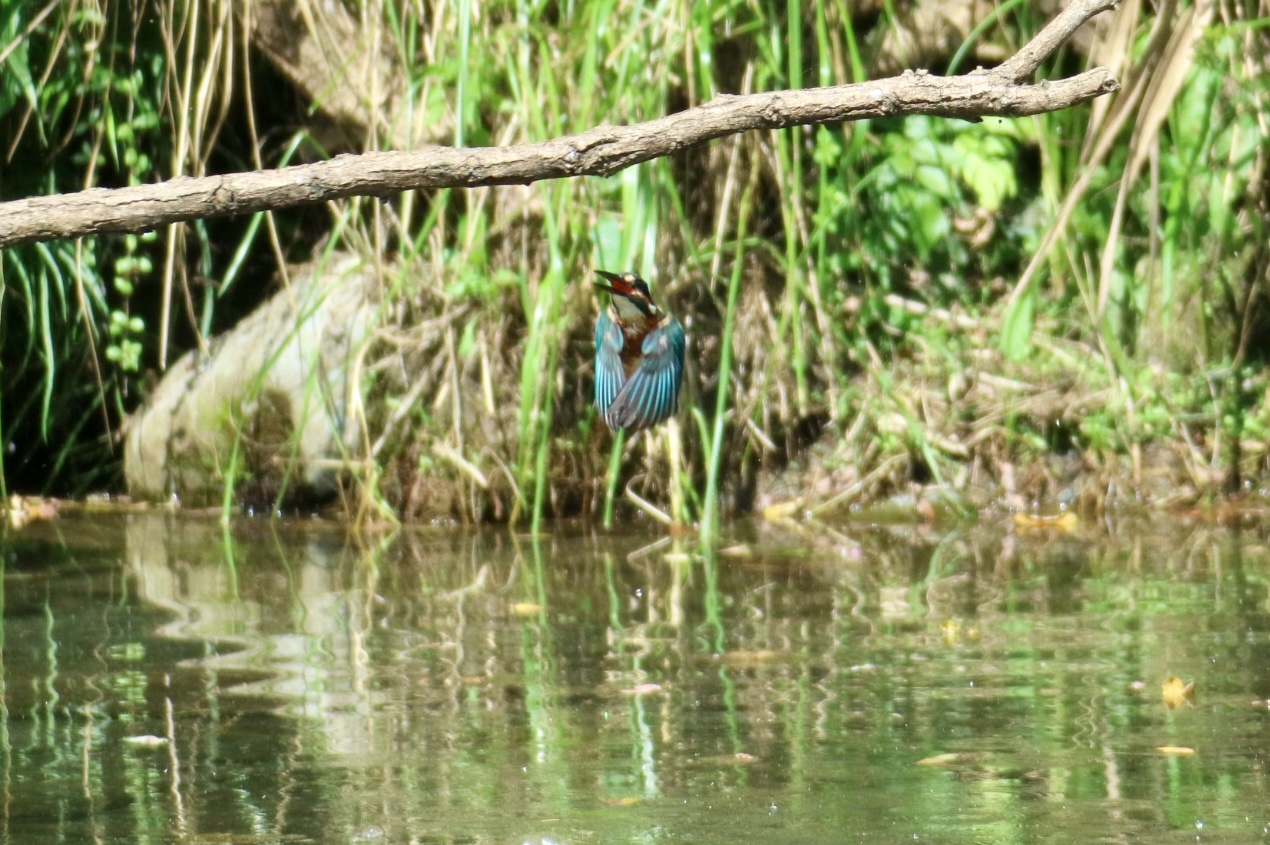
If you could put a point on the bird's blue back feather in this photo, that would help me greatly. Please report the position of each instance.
(609, 374)
(651, 395)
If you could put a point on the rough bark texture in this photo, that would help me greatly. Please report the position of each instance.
(601, 151)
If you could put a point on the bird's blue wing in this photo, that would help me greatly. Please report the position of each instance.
(651, 394)
(609, 373)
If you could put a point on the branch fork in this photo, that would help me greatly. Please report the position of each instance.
(1002, 91)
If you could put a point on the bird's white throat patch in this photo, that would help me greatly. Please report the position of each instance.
(629, 312)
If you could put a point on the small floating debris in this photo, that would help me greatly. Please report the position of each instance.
(749, 658)
(23, 510)
(955, 632)
(1175, 750)
(146, 740)
(781, 511)
(642, 689)
(974, 763)
(939, 760)
(624, 801)
(740, 758)
(528, 608)
(1065, 522)
(1174, 692)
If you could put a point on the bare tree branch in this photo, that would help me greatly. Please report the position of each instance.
(601, 151)
(1045, 43)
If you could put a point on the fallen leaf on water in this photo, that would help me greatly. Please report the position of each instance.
(1065, 522)
(1175, 750)
(939, 760)
(625, 801)
(954, 632)
(1175, 692)
(146, 740)
(782, 510)
(642, 689)
(740, 758)
(753, 657)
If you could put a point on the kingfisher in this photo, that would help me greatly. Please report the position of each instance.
(639, 356)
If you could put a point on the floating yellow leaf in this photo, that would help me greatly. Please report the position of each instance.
(527, 608)
(955, 632)
(1175, 750)
(1065, 522)
(780, 511)
(939, 760)
(1175, 692)
(625, 801)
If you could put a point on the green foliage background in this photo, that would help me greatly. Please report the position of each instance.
(966, 299)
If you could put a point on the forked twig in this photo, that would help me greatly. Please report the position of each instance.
(601, 151)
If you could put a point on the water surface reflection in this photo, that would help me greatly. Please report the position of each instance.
(165, 680)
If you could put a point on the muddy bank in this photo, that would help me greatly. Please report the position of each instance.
(363, 390)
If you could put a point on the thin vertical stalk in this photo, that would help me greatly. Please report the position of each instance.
(231, 560)
(615, 470)
(789, 154)
(465, 40)
(791, 323)
(4, 488)
(674, 459)
(710, 508)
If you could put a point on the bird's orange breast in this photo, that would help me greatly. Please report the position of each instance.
(634, 333)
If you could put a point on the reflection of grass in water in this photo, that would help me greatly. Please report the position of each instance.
(894, 260)
(431, 708)
(231, 561)
(713, 622)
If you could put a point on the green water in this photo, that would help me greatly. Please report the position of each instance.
(164, 681)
